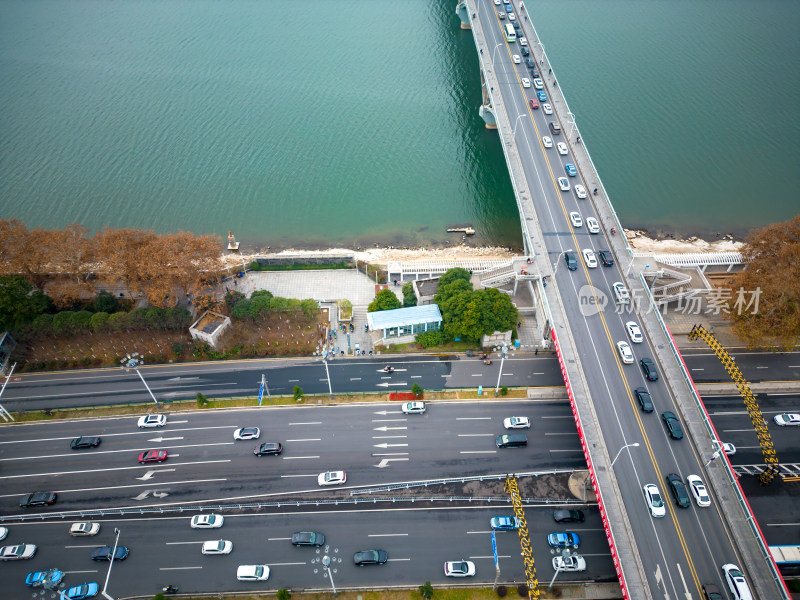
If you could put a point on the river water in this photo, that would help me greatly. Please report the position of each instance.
(354, 122)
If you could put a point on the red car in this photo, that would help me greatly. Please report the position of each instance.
(152, 456)
(534, 104)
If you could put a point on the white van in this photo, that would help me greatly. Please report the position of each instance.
(736, 582)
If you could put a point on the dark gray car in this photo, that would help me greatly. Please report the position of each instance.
(308, 538)
(370, 557)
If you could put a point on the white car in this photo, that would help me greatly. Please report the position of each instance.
(654, 501)
(736, 582)
(591, 223)
(728, 448)
(459, 568)
(3, 532)
(497, 2)
(538, 83)
(154, 420)
(84, 528)
(247, 433)
(625, 352)
(575, 219)
(570, 563)
(331, 478)
(634, 332)
(516, 59)
(526, 83)
(512, 17)
(252, 573)
(523, 41)
(787, 419)
(562, 148)
(580, 191)
(547, 109)
(621, 292)
(209, 521)
(547, 141)
(217, 547)
(589, 258)
(18, 552)
(517, 423)
(413, 408)
(563, 184)
(699, 491)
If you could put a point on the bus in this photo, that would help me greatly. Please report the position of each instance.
(787, 558)
(511, 34)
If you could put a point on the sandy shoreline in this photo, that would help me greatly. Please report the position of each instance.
(639, 241)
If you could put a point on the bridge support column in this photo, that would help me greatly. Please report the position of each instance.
(486, 110)
(462, 10)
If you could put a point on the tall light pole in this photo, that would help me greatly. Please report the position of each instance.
(327, 373)
(495, 50)
(132, 361)
(111, 564)
(634, 445)
(558, 261)
(571, 129)
(326, 568)
(502, 358)
(541, 45)
(514, 133)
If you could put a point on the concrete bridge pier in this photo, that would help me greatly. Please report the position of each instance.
(462, 10)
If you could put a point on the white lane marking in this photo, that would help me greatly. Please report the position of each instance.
(95, 453)
(508, 374)
(403, 420)
(137, 432)
(567, 433)
(538, 373)
(389, 437)
(76, 572)
(793, 366)
(698, 369)
(179, 543)
(473, 418)
(448, 375)
(297, 457)
(293, 380)
(762, 367)
(478, 452)
(481, 532)
(416, 377)
(177, 568)
(309, 423)
(306, 440)
(558, 417)
(738, 431)
(97, 545)
(387, 534)
(308, 475)
(398, 559)
(477, 374)
(122, 487)
(323, 379)
(202, 462)
(355, 379)
(475, 434)
(385, 428)
(272, 564)
(390, 454)
(385, 445)
(492, 557)
(782, 524)
(278, 539)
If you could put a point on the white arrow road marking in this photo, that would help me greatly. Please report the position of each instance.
(385, 445)
(385, 462)
(393, 383)
(385, 428)
(149, 474)
(160, 494)
(156, 493)
(660, 581)
(164, 439)
(143, 495)
(686, 589)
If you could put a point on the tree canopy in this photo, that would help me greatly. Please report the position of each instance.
(19, 302)
(384, 300)
(764, 299)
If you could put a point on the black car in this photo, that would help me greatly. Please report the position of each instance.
(534, 70)
(531, 64)
(711, 592)
(568, 516)
(308, 538)
(84, 442)
(524, 51)
(572, 264)
(649, 368)
(370, 557)
(516, 25)
(678, 489)
(605, 258)
(268, 449)
(643, 397)
(104, 553)
(673, 425)
(38, 499)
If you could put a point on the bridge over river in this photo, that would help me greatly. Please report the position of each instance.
(558, 191)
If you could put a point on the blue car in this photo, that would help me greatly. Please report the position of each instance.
(564, 539)
(542, 96)
(570, 169)
(37, 578)
(84, 590)
(508, 523)
(508, 8)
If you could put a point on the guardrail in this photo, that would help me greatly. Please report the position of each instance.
(727, 469)
(158, 510)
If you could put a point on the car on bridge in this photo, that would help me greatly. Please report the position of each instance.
(534, 104)
(82, 591)
(524, 50)
(154, 420)
(370, 557)
(605, 258)
(511, 16)
(565, 515)
(509, 8)
(649, 369)
(591, 223)
(673, 425)
(538, 83)
(18, 552)
(38, 499)
(105, 553)
(501, 16)
(571, 170)
(572, 264)
(526, 83)
(575, 219)
(308, 538)
(268, 449)
(151, 456)
(331, 478)
(547, 141)
(589, 258)
(569, 563)
(247, 433)
(207, 521)
(459, 568)
(563, 184)
(543, 98)
(736, 582)
(555, 128)
(625, 353)
(516, 59)
(564, 539)
(580, 192)
(517, 423)
(84, 528)
(632, 327)
(40, 578)
(413, 408)
(217, 547)
(523, 41)
(678, 490)
(504, 523)
(787, 419)
(547, 109)
(644, 400)
(252, 573)
(621, 293)
(653, 499)
(711, 592)
(562, 148)
(83, 442)
(529, 62)
(699, 491)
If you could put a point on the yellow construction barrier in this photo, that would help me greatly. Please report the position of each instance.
(524, 539)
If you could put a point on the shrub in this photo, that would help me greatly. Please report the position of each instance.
(426, 590)
(384, 300)
(104, 302)
(409, 299)
(502, 591)
(298, 393)
(202, 401)
(98, 321)
(429, 339)
(417, 390)
(503, 390)
(283, 594)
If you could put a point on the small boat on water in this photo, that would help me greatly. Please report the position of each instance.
(465, 230)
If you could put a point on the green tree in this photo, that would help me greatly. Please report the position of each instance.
(19, 302)
(417, 390)
(118, 321)
(452, 275)
(283, 594)
(231, 298)
(384, 300)
(156, 319)
(177, 319)
(201, 400)
(310, 308)
(298, 393)
(80, 321)
(409, 299)
(429, 339)
(104, 302)
(43, 325)
(63, 323)
(426, 590)
(242, 309)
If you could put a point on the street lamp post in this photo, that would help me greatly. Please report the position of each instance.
(132, 361)
(572, 128)
(495, 50)
(634, 445)
(502, 359)
(566, 554)
(514, 133)
(327, 373)
(541, 45)
(558, 261)
(111, 564)
(326, 564)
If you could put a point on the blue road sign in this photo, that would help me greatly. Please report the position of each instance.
(494, 551)
(261, 392)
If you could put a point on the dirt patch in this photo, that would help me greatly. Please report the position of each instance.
(278, 334)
